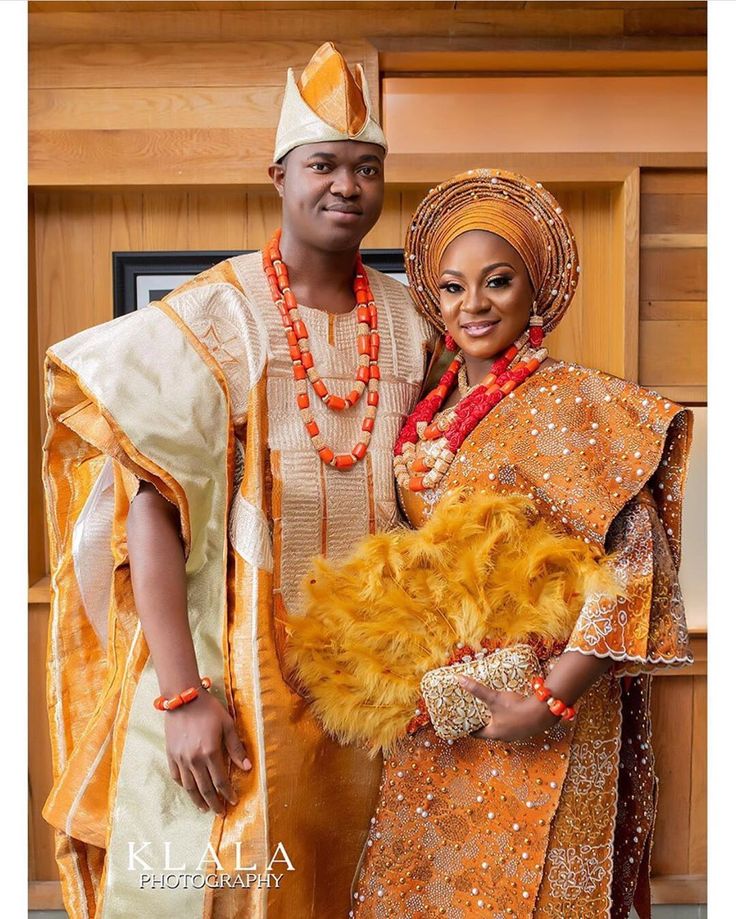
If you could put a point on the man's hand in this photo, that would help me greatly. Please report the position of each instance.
(195, 736)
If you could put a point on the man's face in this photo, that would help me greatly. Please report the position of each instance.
(332, 192)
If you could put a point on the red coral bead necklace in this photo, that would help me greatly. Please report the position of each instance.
(367, 375)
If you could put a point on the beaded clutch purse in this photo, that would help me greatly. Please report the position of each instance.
(454, 711)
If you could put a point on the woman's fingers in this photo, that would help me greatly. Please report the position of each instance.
(485, 733)
(479, 690)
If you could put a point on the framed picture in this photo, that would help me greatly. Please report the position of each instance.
(139, 277)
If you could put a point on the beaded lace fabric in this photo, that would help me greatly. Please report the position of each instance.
(582, 444)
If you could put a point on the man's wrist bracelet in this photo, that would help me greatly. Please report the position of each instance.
(189, 695)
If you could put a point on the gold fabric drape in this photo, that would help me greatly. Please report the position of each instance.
(194, 394)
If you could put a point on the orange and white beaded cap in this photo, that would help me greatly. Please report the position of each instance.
(512, 206)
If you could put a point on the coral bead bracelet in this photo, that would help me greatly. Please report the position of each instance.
(556, 706)
(188, 695)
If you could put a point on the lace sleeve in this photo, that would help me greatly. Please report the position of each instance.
(645, 627)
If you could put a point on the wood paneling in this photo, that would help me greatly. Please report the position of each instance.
(510, 56)
(37, 559)
(162, 112)
(344, 21)
(40, 837)
(44, 895)
(571, 169)
(672, 352)
(672, 726)
(674, 181)
(138, 157)
(684, 889)
(674, 213)
(673, 288)
(673, 309)
(679, 723)
(674, 241)
(698, 836)
(149, 64)
(692, 394)
(680, 21)
(241, 157)
(625, 280)
(158, 95)
(153, 21)
(153, 108)
(550, 114)
(592, 333)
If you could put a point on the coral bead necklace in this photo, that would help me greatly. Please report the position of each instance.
(441, 435)
(367, 375)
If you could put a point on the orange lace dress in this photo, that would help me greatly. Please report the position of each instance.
(560, 825)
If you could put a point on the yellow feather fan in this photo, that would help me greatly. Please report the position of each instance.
(484, 568)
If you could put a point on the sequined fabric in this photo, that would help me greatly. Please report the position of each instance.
(604, 460)
(461, 829)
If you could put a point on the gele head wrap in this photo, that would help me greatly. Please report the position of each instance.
(512, 206)
(328, 103)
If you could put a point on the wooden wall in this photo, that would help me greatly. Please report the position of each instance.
(673, 265)
(679, 721)
(151, 128)
(187, 93)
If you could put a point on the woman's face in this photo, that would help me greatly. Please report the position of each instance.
(485, 293)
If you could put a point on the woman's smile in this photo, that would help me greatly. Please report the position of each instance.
(477, 328)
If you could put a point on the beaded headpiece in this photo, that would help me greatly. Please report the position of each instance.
(329, 103)
(512, 206)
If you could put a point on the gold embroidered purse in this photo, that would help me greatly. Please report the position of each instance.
(454, 711)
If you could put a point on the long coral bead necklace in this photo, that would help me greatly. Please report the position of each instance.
(367, 375)
(422, 469)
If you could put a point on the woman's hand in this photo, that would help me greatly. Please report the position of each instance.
(513, 716)
(195, 735)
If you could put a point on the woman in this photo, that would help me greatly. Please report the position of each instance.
(534, 815)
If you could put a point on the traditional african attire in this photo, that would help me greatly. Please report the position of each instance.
(559, 825)
(195, 394)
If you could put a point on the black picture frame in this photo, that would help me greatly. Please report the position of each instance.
(139, 277)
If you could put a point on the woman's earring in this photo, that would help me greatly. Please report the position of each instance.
(536, 332)
(450, 342)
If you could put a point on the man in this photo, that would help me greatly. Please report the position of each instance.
(200, 452)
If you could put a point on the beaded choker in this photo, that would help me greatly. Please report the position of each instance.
(442, 437)
(367, 375)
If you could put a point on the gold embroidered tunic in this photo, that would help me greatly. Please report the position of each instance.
(195, 394)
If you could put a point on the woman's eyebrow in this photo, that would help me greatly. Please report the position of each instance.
(459, 274)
